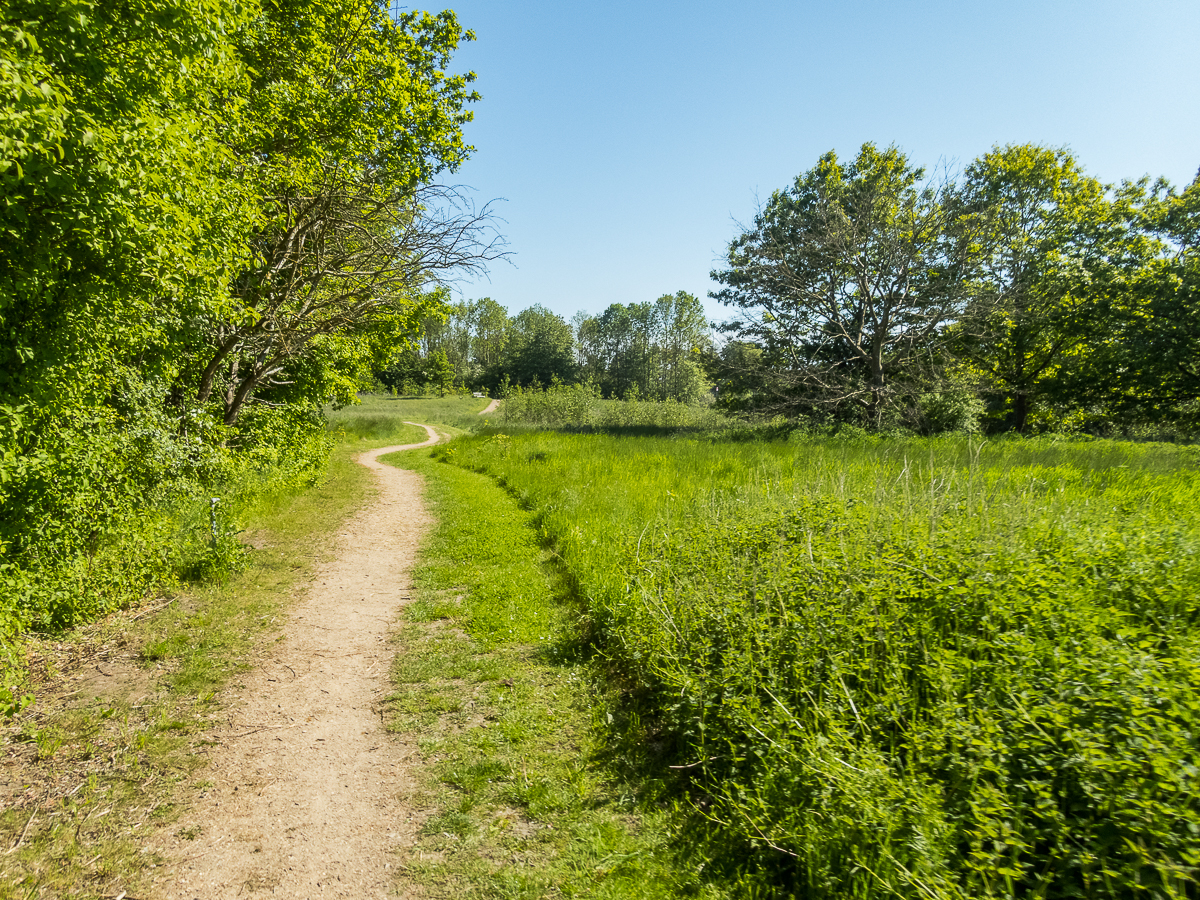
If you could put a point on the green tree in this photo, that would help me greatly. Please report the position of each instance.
(540, 349)
(347, 118)
(846, 281)
(615, 349)
(684, 339)
(1054, 248)
(491, 327)
(117, 230)
(652, 349)
(1147, 361)
(202, 203)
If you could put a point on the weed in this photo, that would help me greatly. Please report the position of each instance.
(870, 666)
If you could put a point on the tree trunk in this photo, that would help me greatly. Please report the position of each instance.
(210, 371)
(234, 407)
(1021, 409)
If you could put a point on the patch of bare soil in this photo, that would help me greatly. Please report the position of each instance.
(307, 793)
(491, 407)
(97, 664)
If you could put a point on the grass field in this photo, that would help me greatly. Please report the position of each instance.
(489, 678)
(869, 667)
(381, 418)
(689, 666)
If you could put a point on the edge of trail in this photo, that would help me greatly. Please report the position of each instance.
(305, 791)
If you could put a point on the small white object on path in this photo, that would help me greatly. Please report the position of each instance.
(308, 793)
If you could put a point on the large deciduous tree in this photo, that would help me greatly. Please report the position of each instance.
(1147, 366)
(846, 282)
(1055, 251)
(347, 118)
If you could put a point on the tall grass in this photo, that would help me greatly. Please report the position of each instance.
(925, 668)
(580, 406)
(379, 417)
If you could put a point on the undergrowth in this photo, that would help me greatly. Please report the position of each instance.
(908, 667)
(580, 406)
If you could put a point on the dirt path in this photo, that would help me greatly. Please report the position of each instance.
(307, 796)
(491, 407)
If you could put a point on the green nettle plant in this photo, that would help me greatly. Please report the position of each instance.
(893, 667)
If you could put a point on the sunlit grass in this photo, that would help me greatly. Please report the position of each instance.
(489, 681)
(895, 638)
(382, 418)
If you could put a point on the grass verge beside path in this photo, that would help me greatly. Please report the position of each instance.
(488, 679)
(380, 417)
(104, 756)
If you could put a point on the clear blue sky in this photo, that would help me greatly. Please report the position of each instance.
(627, 139)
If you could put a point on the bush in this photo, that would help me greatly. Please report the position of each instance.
(580, 406)
(104, 506)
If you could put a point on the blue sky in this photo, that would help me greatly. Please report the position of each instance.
(628, 139)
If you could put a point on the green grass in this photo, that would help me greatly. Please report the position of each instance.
(489, 680)
(381, 418)
(892, 667)
(102, 769)
(579, 406)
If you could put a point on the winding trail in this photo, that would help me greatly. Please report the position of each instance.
(491, 407)
(308, 795)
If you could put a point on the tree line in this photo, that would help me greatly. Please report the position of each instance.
(649, 350)
(1022, 294)
(215, 217)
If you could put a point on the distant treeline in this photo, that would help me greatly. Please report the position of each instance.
(652, 351)
(1018, 295)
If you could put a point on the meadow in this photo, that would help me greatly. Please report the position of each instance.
(867, 667)
(379, 417)
(581, 406)
(712, 662)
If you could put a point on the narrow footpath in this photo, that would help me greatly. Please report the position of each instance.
(308, 791)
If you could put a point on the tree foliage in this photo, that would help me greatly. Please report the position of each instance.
(846, 281)
(215, 216)
(1053, 248)
(650, 350)
(1025, 291)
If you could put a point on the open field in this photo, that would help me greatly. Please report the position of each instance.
(939, 668)
(379, 417)
(696, 666)
(516, 796)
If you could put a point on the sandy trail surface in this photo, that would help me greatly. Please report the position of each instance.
(491, 407)
(307, 795)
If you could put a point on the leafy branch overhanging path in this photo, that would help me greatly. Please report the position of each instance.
(307, 794)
